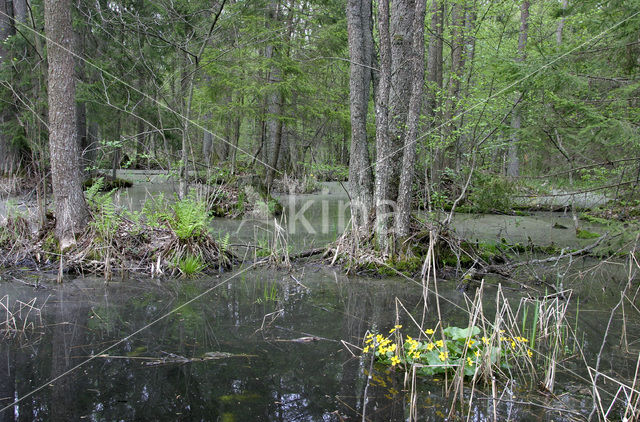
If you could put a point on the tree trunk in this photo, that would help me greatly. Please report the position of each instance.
(457, 67)
(274, 104)
(405, 191)
(513, 165)
(81, 107)
(115, 158)
(396, 125)
(9, 156)
(434, 80)
(92, 145)
(563, 5)
(207, 144)
(383, 142)
(71, 208)
(360, 55)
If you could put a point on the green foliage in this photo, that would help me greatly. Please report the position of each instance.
(190, 265)
(105, 217)
(190, 218)
(586, 234)
(328, 172)
(491, 193)
(155, 211)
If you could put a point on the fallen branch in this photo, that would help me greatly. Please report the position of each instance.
(504, 269)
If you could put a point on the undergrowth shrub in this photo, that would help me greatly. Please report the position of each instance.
(190, 265)
(190, 218)
(105, 216)
(490, 192)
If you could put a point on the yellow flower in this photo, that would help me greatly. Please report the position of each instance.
(513, 344)
(469, 361)
(477, 353)
(430, 346)
(529, 353)
(439, 343)
(485, 340)
(382, 350)
(471, 342)
(429, 331)
(365, 350)
(395, 360)
(416, 355)
(379, 338)
(443, 356)
(369, 340)
(396, 327)
(392, 348)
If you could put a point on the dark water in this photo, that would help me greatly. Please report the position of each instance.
(252, 316)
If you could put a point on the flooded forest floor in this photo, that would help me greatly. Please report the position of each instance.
(265, 337)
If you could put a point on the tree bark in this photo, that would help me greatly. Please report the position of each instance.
(513, 165)
(563, 5)
(434, 79)
(274, 105)
(396, 125)
(360, 55)
(405, 190)
(383, 142)
(71, 208)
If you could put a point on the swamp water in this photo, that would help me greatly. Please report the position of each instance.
(264, 344)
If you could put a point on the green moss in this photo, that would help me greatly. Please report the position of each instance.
(594, 219)
(108, 183)
(50, 243)
(586, 234)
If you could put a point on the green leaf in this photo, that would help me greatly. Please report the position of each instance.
(456, 333)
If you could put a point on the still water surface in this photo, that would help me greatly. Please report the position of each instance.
(248, 329)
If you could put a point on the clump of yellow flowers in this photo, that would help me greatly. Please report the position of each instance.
(453, 347)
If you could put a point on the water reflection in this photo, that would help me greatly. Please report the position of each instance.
(271, 374)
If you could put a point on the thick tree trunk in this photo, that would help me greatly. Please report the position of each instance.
(71, 209)
(401, 40)
(405, 191)
(81, 107)
(360, 55)
(383, 202)
(513, 165)
(396, 125)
